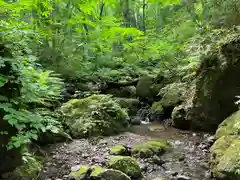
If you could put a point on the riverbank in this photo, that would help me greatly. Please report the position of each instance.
(188, 159)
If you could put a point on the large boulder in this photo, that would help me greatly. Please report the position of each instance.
(217, 84)
(225, 159)
(93, 116)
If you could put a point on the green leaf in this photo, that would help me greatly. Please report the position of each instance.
(3, 81)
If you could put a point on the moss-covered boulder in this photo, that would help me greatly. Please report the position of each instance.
(124, 92)
(112, 174)
(179, 117)
(87, 172)
(118, 150)
(172, 95)
(157, 112)
(150, 148)
(130, 104)
(217, 83)
(94, 115)
(225, 158)
(143, 88)
(125, 164)
(98, 173)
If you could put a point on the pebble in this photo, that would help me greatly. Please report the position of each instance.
(183, 177)
(75, 168)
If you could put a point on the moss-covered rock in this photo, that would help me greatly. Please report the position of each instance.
(157, 112)
(172, 95)
(230, 126)
(130, 104)
(112, 174)
(94, 115)
(150, 148)
(118, 150)
(217, 83)
(124, 92)
(179, 117)
(87, 172)
(225, 158)
(125, 164)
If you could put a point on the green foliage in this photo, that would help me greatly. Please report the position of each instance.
(31, 167)
(24, 85)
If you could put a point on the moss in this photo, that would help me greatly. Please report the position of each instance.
(125, 164)
(230, 126)
(118, 150)
(225, 158)
(150, 148)
(93, 116)
(112, 174)
(80, 173)
(97, 171)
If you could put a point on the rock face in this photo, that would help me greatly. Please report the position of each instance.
(217, 85)
(94, 115)
(225, 159)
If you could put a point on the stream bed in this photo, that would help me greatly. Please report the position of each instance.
(187, 161)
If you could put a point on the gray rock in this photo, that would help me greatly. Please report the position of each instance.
(75, 168)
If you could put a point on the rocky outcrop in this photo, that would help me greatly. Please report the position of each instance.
(217, 84)
(225, 160)
(93, 116)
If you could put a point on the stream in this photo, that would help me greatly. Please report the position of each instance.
(187, 161)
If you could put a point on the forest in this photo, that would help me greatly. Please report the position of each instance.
(119, 89)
